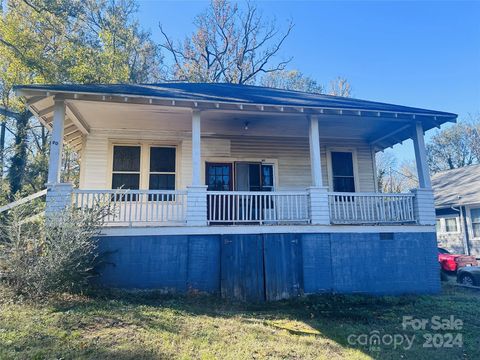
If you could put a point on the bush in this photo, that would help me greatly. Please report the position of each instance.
(40, 258)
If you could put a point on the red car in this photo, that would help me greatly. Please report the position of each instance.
(452, 262)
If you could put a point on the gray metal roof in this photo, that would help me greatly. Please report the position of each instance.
(238, 94)
(457, 187)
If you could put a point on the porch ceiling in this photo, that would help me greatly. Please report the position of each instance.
(382, 125)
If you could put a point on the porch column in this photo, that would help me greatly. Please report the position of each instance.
(421, 157)
(196, 148)
(424, 204)
(197, 192)
(315, 161)
(58, 195)
(317, 193)
(56, 144)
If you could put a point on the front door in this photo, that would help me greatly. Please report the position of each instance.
(219, 177)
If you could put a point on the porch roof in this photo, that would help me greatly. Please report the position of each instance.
(388, 123)
(235, 94)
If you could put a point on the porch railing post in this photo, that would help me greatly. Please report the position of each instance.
(424, 206)
(197, 205)
(318, 205)
(59, 197)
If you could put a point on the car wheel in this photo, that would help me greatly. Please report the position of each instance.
(467, 279)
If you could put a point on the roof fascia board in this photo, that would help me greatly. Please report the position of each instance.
(177, 102)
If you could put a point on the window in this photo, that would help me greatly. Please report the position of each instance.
(219, 176)
(126, 167)
(475, 214)
(451, 225)
(162, 168)
(253, 176)
(438, 226)
(342, 171)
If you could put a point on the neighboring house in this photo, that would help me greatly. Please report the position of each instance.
(251, 192)
(457, 207)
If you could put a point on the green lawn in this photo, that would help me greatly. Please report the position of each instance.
(152, 326)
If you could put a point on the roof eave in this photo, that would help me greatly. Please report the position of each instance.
(181, 102)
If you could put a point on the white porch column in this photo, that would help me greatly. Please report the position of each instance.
(197, 192)
(196, 148)
(424, 204)
(317, 194)
(59, 196)
(421, 157)
(56, 144)
(315, 162)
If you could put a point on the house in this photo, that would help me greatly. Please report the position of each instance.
(250, 192)
(457, 207)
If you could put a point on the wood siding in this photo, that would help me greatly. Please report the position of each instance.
(290, 155)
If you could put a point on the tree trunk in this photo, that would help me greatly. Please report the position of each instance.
(18, 164)
(2, 147)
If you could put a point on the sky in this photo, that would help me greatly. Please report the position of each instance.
(416, 53)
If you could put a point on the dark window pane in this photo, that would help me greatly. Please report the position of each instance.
(254, 177)
(475, 213)
(267, 175)
(219, 177)
(343, 184)
(126, 181)
(342, 164)
(162, 159)
(126, 158)
(162, 182)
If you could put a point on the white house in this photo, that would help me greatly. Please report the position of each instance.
(251, 192)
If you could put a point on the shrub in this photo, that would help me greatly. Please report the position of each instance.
(40, 258)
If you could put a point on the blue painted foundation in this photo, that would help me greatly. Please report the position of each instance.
(274, 266)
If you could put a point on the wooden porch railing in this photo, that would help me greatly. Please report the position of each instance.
(257, 207)
(363, 208)
(131, 207)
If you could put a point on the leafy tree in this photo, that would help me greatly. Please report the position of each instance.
(229, 44)
(43, 41)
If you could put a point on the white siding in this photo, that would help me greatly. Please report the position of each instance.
(290, 155)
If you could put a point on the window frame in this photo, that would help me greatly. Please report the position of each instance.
(144, 160)
(113, 172)
(471, 223)
(150, 146)
(443, 224)
(353, 151)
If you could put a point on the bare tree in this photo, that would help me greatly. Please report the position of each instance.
(229, 44)
(291, 80)
(392, 178)
(454, 147)
(340, 87)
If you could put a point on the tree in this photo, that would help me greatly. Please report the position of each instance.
(229, 44)
(292, 80)
(392, 178)
(454, 147)
(340, 87)
(64, 41)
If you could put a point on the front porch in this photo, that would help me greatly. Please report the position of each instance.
(188, 155)
(170, 208)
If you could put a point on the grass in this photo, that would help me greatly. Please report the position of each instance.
(118, 325)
